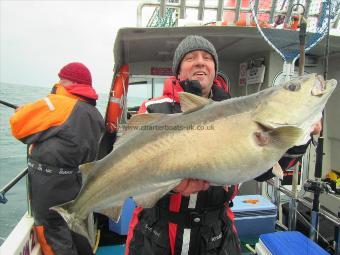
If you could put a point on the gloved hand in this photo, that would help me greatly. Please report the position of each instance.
(189, 186)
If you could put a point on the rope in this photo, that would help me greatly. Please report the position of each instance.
(287, 44)
(167, 21)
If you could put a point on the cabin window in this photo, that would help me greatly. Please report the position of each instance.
(143, 87)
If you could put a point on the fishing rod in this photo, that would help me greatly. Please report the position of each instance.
(16, 179)
(8, 186)
(8, 104)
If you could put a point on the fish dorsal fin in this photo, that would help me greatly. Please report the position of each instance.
(190, 102)
(112, 212)
(144, 118)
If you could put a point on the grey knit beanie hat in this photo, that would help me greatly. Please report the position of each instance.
(192, 43)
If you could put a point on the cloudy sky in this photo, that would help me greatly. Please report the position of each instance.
(39, 37)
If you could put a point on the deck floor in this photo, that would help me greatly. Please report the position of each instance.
(110, 250)
(120, 249)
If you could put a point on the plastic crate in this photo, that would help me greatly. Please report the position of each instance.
(254, 215)
(122, 226)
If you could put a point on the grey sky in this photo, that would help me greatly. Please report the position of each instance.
(39, 37)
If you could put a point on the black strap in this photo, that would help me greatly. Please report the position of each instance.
(35, 166)
(189, 218)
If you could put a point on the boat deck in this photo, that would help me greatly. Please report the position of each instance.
(109, 250)
(120, 250)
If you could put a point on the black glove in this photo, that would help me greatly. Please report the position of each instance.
(191, 86)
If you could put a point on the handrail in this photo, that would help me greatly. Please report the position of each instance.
(9, 185)
(181, 6)
(308, 204)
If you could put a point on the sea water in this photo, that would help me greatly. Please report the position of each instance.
(13, 152)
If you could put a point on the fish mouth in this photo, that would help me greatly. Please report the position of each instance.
(319, 87)
(322, 87)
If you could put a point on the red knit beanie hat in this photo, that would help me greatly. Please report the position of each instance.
(76, 72)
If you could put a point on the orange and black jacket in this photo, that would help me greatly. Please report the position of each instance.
(64, 128)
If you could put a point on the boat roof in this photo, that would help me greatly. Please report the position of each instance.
(232, 43)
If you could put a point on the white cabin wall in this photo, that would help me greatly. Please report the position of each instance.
(331, 160)
(332, 112)
(230, 68)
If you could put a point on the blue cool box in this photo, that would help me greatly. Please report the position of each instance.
(254, 218)
(122, 226)
(290, 242)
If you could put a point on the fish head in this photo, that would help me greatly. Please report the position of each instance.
(298, 103)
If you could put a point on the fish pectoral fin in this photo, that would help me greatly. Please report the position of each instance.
(144, 118)
(190, 102)
(277, 170)
(282, 137)
(112, 212)
(148, 200)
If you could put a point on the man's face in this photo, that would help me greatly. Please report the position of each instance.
(198, 65)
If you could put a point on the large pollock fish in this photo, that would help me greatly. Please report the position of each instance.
(224, 142)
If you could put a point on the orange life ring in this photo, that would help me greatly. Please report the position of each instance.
(116, 101)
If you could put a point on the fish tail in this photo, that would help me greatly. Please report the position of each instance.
(84, 227)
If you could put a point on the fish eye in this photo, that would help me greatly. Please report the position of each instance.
(293, 86)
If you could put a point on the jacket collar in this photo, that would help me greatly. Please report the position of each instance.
(77, 91)
(172, 88)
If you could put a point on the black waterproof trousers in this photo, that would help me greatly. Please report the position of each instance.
(49, 189)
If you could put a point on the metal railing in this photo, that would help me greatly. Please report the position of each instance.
(308, 204)
(181, 7)
(293, 220)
